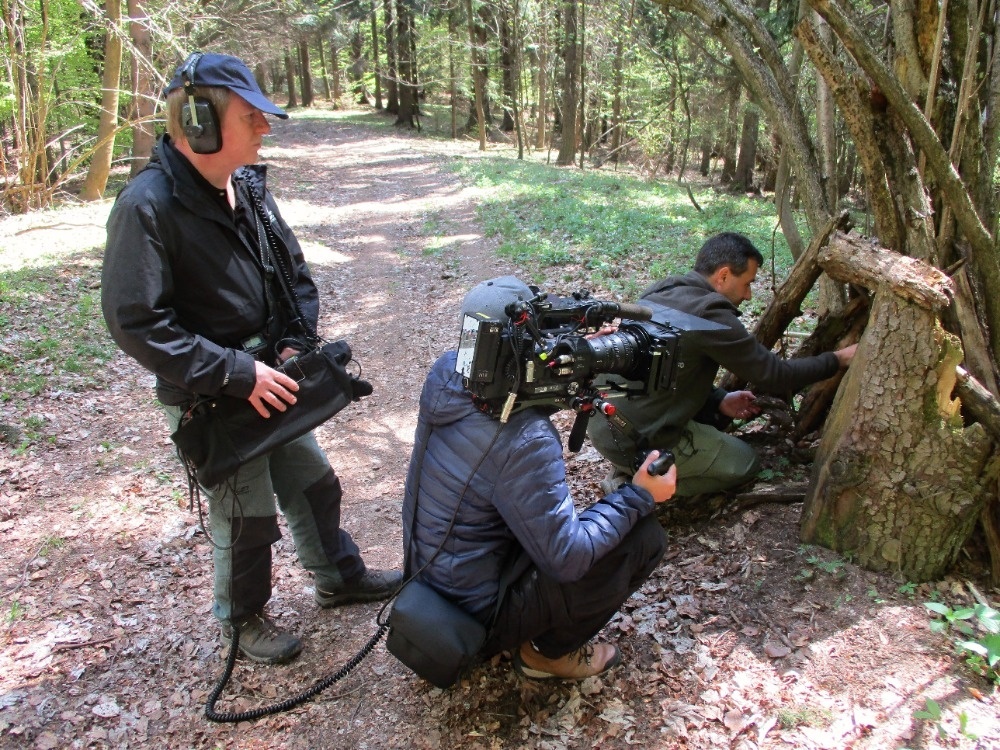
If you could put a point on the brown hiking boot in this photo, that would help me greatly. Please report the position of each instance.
(262, 641)
(587, 661)
(371, 586)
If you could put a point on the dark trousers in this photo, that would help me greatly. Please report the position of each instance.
(561, 617)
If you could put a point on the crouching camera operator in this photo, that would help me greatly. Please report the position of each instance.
(487, 501)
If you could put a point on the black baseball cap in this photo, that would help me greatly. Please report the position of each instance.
(225, 71)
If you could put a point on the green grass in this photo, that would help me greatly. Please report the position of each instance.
(615, 230)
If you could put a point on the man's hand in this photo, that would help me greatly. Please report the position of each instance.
(662, 487)
(739, 405)
(845, 355)
(273, 389)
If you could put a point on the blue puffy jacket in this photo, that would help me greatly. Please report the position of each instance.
(512, 483)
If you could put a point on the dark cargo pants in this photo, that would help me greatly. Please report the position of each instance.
(562, 617)
(243, 523)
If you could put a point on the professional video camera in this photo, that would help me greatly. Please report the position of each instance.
(550, 351)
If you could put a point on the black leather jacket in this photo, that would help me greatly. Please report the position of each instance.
(183, 284)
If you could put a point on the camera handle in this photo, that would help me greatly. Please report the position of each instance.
(661, 465)
(587, 406)
(579, 431)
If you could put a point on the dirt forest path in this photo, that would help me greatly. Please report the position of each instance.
(741, 639)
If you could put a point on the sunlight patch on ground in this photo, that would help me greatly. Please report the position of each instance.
(303, 213)
(36, 238)
(317, 252)
(451, 240)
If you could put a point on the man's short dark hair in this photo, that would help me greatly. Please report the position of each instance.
(727, 249)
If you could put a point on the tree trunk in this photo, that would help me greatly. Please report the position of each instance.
(143, 135)
(453, 41)
(507, 44)
(898, 481)
(826, 125)
(542, 117)
(392, 58)
(706, 155)
(479, 109)
(100, 163)
(617, 127)
(406, 117)
(729, 138)
(305, 73)
(571, 65)
(324, 69)
(335, 73)
(743, 177)
(375, 57)
(359, 64)
(478, 75)
(290, 81)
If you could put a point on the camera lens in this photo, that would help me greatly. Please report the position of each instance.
(615, 353)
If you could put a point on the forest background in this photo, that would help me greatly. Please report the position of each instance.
(879, 118)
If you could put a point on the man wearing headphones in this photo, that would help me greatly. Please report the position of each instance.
(190, 291)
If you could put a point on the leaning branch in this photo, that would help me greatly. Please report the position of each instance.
(953, 191)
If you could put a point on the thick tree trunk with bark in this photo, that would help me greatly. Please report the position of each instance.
(100, 164)
(144, 97)
(570, 87)
(305, 71)
(743, 177)
(898, 482)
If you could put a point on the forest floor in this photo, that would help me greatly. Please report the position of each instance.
(743, 637)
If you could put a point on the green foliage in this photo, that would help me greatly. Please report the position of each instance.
(810, 716)
(908, 589)
(834, 567)
(932, 712)
(15, 611)
(975, 632)
(618, 232)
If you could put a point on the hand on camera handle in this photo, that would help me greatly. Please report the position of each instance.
(661, 465)
(660, 485)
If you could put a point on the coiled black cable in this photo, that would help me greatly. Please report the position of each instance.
(231, 718)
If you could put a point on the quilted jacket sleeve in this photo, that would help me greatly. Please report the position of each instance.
(533, 499)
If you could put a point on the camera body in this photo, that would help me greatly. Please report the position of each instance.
(550, 352)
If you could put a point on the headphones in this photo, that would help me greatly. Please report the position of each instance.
(198, 116)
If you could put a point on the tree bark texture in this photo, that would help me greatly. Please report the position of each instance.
(898, 482)
(743, 178)
(100, 163)
(571, 67)
(143, 89)
(305, 72)
(950, 186)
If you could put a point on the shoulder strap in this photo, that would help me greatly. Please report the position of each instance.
(282, 259)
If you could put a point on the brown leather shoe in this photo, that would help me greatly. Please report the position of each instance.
(372, 586)
(263, 641)
(587, 661)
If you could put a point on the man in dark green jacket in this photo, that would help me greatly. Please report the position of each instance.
(189, 291)
(685, 418)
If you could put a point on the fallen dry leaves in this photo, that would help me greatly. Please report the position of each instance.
(741, 639)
